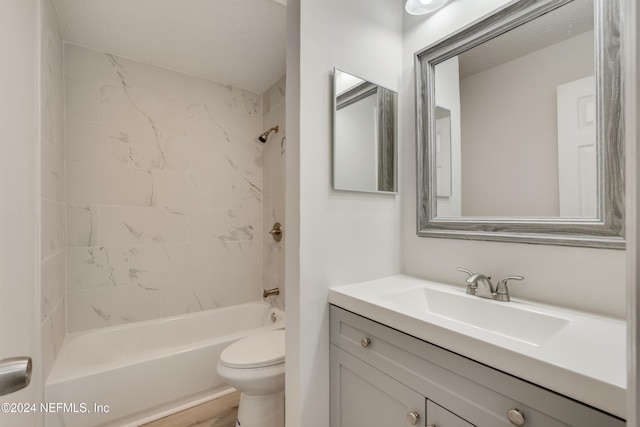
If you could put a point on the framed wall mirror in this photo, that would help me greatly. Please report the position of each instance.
(519, 127)
(365, 133)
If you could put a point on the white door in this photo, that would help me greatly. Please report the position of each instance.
(19, 254)
(577, 153)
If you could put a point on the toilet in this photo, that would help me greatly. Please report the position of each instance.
(255, 367)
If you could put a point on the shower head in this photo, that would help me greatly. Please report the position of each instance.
(264, 136)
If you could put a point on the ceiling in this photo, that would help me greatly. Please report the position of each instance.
(560, 24)
(236, 42)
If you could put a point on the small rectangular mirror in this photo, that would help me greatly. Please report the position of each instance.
(364, 135)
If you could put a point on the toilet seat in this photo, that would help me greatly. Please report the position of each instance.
(257, 351)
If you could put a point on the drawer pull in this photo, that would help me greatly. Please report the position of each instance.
(365, 342)
(516, 417)
(413, 417)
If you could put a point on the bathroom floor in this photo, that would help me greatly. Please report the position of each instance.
(221, 412)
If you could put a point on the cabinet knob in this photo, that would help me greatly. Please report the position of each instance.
(413, 417)
(365, 342)
(516, 417)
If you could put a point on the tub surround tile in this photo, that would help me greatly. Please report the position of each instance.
(53, 283)
(246, 193)
(83, 226)
(192, 295)
(81, 99)
(178, 190)
(52, 173)
(94, 267)
(83, 63)
(52, 92)
(274, 257)
(163, 171)
(274, 97)
(100, 307)
(53, 331)
(53, 192)
(246, 102)
(154, 264)
(242, 224)
(175, 85)
(247, 287)
(247, 257)
(97, 144)
(91, 185)
(242, 158)
(247, 284)
(181, 153)
(270, 282)
(53, 228)
(141, 225)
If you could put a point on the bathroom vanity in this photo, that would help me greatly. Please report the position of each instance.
(416, 365)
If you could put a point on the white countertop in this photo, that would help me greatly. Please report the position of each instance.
(585, 360)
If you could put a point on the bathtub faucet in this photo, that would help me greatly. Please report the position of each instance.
(271, 292)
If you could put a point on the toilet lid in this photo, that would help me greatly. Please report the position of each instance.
(256, 351)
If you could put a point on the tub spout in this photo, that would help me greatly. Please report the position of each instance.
(271, 292)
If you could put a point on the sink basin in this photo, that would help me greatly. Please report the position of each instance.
(509, 319)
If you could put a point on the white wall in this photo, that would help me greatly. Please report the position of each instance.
(510, 167)
(337, 237)
(20, 190)
(587, 279)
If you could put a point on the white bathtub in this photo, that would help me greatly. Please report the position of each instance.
(147, 369)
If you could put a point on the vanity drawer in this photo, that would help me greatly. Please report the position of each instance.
(473, 391)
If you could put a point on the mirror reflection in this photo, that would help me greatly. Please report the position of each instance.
(364, 140)
(523, 116)
(443, 151)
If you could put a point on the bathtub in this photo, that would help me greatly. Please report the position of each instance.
(129, 374)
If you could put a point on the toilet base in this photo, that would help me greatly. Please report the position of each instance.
(266, 410)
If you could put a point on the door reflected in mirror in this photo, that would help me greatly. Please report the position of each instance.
(443, 151)
(364, 139)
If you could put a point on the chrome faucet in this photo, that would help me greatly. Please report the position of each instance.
(502, 291)
(480, 285)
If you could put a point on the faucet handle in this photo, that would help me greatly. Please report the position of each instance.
(471, 287)
(464, 270)
(502, 291)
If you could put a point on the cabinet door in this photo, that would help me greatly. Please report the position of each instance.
(438, 416)
(362, 396)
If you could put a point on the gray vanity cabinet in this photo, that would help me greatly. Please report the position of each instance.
(438, 416)
(367, 397)
(381, 377)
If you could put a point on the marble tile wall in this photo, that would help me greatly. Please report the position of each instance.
(164, 190)
(274, 190)
(53, 191)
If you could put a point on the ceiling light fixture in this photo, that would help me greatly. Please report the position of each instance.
(422, 7)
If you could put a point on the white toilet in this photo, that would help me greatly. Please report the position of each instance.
(255, 367)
